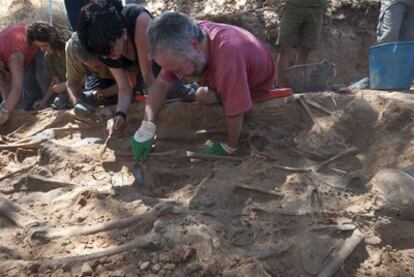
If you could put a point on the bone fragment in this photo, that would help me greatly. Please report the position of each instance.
(306, 108)
(260, 190)
(158, 211)
(339, 257)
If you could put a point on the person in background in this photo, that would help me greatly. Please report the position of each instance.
(299, 33)
(88, 81)
(230, 64)
(396, 21)
(48, 39)
(72, 8)
(23, 68)
(119, 36)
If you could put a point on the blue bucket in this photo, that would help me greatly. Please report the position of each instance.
(391, 65)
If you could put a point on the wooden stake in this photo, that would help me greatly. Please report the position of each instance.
(261, 190)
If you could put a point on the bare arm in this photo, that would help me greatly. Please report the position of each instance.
(50, 92)
(141, 42)
(234, 127)
(156, 97)
(125, 89)
(73, 92)
(16, 67)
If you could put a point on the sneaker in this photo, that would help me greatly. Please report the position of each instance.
(61, 102)
(190, 95)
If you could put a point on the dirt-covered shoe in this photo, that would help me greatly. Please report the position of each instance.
(61, 102)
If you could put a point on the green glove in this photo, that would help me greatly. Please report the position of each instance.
(219, 149)
(142, 140)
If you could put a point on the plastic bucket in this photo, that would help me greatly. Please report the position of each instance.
(391, 65)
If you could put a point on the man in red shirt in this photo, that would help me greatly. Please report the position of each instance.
(231, 65)
(21, 67)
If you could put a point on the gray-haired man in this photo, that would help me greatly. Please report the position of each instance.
(232, 66)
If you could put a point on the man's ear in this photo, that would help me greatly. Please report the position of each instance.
(196, 44)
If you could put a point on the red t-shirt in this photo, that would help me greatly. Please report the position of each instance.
(240, 66)
(13, 39)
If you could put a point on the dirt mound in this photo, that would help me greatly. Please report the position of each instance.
(295, 201)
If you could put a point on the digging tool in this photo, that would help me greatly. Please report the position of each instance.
(138, 174)
(109, 137)
(103, 150)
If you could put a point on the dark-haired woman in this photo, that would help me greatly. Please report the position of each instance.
(22, 70)
(50, 41)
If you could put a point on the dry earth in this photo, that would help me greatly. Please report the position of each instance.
(286, 205)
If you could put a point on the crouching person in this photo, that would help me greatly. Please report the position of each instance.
(50, 41)
(22, 70)
(230, 64)
(89, 82)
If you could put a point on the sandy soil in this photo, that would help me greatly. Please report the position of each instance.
(286, 205)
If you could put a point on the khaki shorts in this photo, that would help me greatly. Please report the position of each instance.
(301, 26)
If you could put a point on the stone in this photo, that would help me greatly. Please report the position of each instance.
(192, 268)
(86, 270)
(144, 265)
(156, 268)
(169, 266)
(395, 193)
(118, 273)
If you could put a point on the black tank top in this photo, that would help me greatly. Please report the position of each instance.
(130, 14)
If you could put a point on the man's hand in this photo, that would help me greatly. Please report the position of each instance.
(142, 140)
(83, 109)
(219, 149)
(115, 124)
(4, 116)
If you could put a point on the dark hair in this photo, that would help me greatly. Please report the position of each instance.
(100, 24)
(43, 32)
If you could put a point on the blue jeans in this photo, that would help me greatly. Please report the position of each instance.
(36, 81)
(72, 8)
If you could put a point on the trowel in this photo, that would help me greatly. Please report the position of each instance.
(138, 174)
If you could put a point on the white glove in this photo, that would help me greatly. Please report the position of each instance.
(145, 132)
(4, 116)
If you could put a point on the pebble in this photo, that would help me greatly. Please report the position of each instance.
(99, 269)
(159, 226)
(118, 273)
(169, 266)
(376, 259)
(193, 267)
(156, 268)
(144, 265)
(86, 270)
